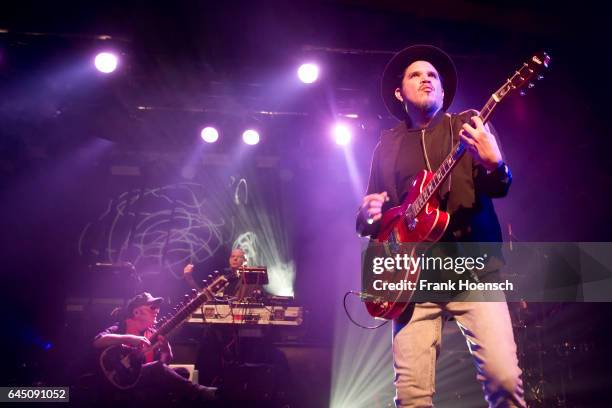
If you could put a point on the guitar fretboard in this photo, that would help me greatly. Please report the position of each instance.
(453, 157)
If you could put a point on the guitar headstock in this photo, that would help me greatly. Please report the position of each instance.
(525, 75)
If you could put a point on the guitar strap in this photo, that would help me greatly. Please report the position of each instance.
(445, 189)
(451, 143)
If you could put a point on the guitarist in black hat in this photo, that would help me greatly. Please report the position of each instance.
(418, 86)
(157, 381)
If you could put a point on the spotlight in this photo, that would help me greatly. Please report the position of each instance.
(342, 134)
(209, 134)
(308, 73)
(250, 137)
(106, 62)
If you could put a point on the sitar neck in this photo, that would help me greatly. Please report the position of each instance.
(185, 309)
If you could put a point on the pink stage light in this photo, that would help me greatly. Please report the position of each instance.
(209, 134)
(106, 62)
(250, 137)
(342, 134)
(308, 73)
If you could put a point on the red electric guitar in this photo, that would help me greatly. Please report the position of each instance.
(419, 219)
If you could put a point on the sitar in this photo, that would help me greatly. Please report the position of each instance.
(419, 221)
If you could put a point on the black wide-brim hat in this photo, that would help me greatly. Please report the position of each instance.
(394, 73)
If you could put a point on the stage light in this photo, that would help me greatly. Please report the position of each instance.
(342, 134)
(106, 62)
(250, 137)
(308, 73)
(209, 134)
(360, 379)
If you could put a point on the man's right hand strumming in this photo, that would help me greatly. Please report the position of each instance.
(371, 207)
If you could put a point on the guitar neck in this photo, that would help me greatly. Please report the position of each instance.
(451, 160)
(459, 149)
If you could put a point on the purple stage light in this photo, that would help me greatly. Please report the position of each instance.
(250, 137)
(308, 73)
(210, 134)
(106, 62)
(342, 134)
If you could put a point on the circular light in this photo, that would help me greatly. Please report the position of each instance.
(250, 137)
(308, 73)
(209, 134)
(342, 134)
(106, 62)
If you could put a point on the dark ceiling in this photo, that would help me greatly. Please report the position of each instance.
(187, 62)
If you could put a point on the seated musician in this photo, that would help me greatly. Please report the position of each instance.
(158, 382)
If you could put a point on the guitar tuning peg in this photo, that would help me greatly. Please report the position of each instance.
(204, 282)
(216, 272)
(530, 85)
(194, 291)
(540, 77)
(522, 92)
(210, 276)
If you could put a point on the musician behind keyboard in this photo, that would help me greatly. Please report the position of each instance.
(236, 289)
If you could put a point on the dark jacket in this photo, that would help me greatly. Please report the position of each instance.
(473, 217)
